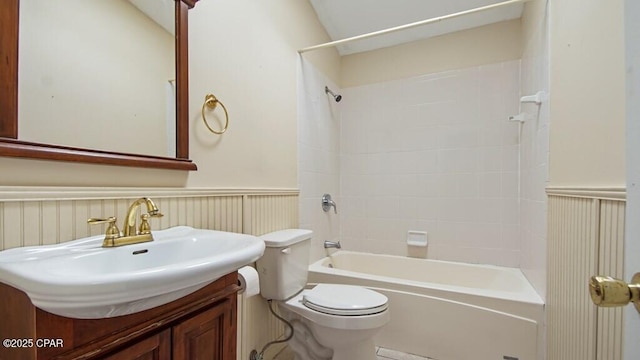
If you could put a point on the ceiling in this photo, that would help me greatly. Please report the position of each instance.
(160, 11)
(347, 18)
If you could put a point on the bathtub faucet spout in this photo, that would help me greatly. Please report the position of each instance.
(332, 244)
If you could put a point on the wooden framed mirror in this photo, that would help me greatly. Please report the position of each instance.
(12, 146)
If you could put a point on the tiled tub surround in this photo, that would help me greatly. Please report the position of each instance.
(433, 153)
(318, 155)
(534, 145)
(434, 304)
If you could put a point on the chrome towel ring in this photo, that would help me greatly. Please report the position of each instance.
(210, 101)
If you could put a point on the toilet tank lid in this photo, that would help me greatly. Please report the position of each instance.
(283, 238)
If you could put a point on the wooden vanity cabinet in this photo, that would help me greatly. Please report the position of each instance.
(202, 336)
(199, 326)
(156, 347)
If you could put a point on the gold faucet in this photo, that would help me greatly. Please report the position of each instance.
(129, 235)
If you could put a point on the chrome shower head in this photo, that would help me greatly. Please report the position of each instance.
(337, 98)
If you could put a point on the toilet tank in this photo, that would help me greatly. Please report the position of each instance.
(283, 268)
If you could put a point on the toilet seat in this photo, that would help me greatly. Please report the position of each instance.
(344, 300)
(341, 322)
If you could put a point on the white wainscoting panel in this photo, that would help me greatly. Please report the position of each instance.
(40, 216)
(586, 237)
(611, 263)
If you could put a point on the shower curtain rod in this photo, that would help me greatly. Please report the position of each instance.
(410, 25)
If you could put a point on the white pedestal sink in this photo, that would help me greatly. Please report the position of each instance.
(80, 279)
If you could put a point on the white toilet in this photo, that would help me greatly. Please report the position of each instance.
(330, 321)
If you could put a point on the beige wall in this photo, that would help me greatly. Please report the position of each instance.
(245, 53)
(479, 46)
(587, 93)
(21, 172)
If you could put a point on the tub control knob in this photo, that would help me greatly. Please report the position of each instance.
(609, 292)
(327, 203)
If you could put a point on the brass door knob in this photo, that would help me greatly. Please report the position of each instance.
(609, 292)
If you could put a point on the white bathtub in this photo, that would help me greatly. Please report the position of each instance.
(446, 310)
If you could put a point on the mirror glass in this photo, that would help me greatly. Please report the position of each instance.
(98, 74)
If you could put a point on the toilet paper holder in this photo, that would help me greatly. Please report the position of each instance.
(248, 281)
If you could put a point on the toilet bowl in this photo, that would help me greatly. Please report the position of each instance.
(342, 319)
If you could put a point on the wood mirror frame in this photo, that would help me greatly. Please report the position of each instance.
(10, 146)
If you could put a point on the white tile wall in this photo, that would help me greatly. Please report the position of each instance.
(535, 150)
(318, 155)
(433, 153)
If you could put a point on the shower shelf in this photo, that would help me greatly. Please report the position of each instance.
(536, 98)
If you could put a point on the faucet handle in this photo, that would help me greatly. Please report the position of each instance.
(327, 203)
(112, 231)
(145, 228)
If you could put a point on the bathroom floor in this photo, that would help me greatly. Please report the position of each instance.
(385, 354)
(382, 354)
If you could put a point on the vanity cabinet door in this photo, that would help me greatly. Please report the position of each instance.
(209, 335)
(156, 347)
